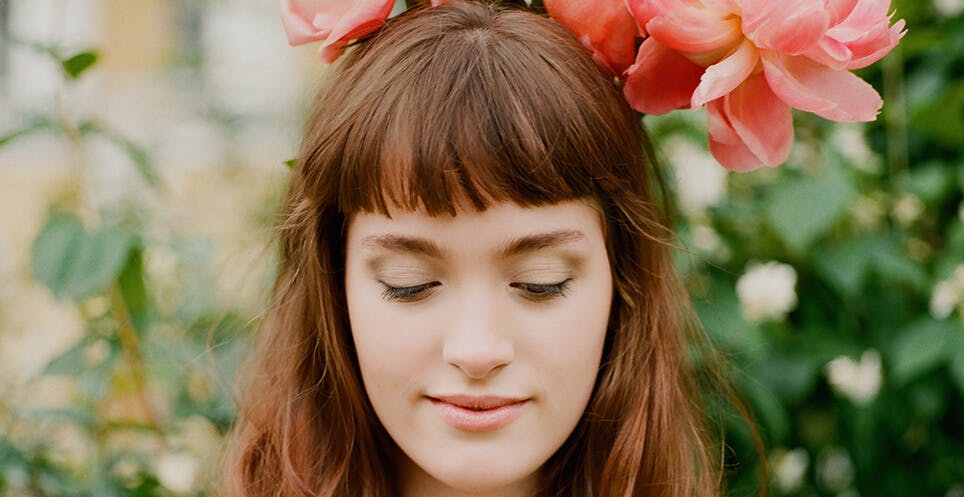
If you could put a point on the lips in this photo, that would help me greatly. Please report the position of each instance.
(478, 413)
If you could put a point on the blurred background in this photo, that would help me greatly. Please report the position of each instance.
(143, 150)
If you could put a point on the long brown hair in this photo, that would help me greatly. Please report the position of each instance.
(449, 108)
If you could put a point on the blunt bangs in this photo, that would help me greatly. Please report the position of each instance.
(471, 114)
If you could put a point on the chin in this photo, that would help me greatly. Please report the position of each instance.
(485, 479)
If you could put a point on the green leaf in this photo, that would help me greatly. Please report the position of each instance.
(291, 163)
(767, 405)
(73, 263)
(78, 63)
(920, 348)
(99, 262)
(55, 251)
(891, 262)
(804, 210)
(141, 159)
(68, 363)
(134, 288)
(724, 323)
(956, 365)
(38, 124)
(932, 182)
(844, 266)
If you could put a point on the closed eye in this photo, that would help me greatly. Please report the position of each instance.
(540, 292)
(407, 293)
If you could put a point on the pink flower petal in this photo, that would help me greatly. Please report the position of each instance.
(661, 80)
(694, 26)
(807, 85)
(839, 10)
(763, 122)
(789, 26)
(831, 53)
(867, 32)
(642, 12)
(334, 22)
(873, 46)
(723, 77)
(725, 144)
(605, 27)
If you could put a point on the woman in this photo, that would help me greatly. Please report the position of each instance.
(475, 294)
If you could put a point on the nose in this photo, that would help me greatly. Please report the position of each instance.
(476, 343)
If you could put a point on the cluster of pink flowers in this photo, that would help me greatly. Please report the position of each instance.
(748, 61)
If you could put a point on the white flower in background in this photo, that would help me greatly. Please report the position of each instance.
(949, 8)
(849, 140)
(177, 471)
(955, 491)
(197, 435)
(835, 470)
(857, 381)
(700, 180)
(767, 291)
(789, 469)
(95, 353)
(708, 241)
(70, 446)
(125, 469)
(907, 209)
(948, 294)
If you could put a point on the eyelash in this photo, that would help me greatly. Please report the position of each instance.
(533, 291)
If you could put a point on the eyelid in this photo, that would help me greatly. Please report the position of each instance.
(410, 293)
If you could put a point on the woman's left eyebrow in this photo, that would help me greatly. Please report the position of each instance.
(540, 241)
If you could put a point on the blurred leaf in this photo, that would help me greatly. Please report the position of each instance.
(844, 265)
(767, 406)
(720, 314)
(75, 65)
(290, 163)
(892, 263)
(69, 362)
(943, 118)
(921, 347)
(37, 124)
(55, 249)
(931, 182)
(73, 263)
(800, 211)
(956, 350)
(137, 154)
(80, 417)
(134, 289)
(790, 376)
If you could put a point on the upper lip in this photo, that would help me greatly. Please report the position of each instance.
(478, 402)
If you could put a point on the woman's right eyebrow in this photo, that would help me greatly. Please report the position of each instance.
(405, 244)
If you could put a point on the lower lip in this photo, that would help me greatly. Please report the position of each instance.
(467, 419)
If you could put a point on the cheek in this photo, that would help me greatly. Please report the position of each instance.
(568, 345)
(391, 349)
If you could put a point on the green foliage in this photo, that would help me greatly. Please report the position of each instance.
(75, 263)
(75, 65)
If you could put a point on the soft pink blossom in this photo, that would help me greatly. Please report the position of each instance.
(750, 61)
(605, 27)
(333, 22)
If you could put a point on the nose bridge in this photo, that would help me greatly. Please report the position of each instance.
(477, 341)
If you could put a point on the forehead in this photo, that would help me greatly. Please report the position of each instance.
(569, 222)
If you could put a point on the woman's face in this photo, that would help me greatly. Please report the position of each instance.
(479, 337)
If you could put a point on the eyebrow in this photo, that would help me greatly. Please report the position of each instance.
(516, 247)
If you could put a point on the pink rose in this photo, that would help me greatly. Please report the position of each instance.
(605, 27)
(750, 61)
(333, 22)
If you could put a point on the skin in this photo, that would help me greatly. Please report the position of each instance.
(475, 318)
